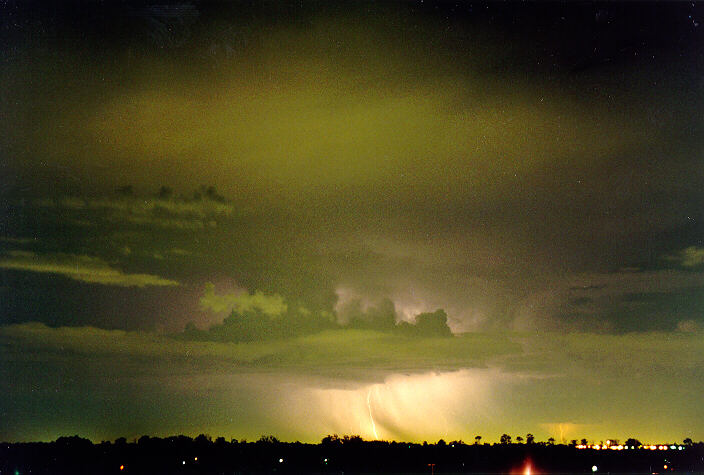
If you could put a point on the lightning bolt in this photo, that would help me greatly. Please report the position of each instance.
(371, 417)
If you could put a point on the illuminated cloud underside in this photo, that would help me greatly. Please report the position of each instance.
(87, 269)
(308, 387)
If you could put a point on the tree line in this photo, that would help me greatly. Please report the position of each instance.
(334, 454)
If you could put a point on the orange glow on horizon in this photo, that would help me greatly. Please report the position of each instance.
(526, 468)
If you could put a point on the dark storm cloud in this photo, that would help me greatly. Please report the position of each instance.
(342, 169)
(259, 317)
(532, 380)
(116, 371)
(324, 352)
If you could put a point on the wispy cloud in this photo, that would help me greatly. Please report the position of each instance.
(175, 213)
(83, 268)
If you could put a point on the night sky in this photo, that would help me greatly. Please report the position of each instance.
(406, 221)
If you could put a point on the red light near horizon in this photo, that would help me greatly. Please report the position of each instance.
(525, 469)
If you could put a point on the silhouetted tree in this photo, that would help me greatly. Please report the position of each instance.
(505, 439)
(477, 439)
(551, 441)
(352, 439)
(583, 441)
(331, 440)
(688, 441)
(519, 440)
(633, 442)
(268, 439)
(203, 441)
(152, 455)
(530, 438)
(73, 442)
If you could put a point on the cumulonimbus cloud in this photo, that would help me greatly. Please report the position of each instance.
(331, 380)
(272, 305)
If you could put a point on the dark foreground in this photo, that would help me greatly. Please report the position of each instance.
(183, 455)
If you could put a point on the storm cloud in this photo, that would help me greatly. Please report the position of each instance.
(500, 203)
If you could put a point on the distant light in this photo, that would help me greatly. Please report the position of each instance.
(594, 468)
(680, 447)
(325, 460)
(195, 459)
(183, 463)
(527, 472)
(673, 447)
(122, 467)
(281, 460)
(664, 467)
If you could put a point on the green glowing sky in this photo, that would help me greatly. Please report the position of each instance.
(329, 172)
